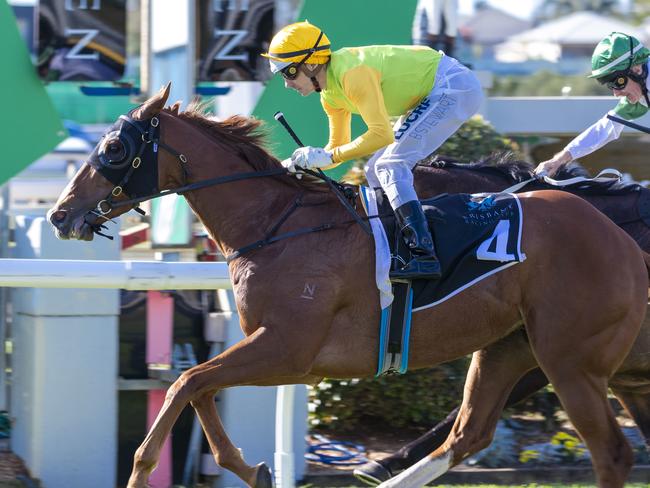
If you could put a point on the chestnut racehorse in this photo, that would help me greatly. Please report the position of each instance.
(303, 278)
(630, 383)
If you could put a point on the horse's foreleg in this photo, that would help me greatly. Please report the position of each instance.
(147, 455)
(252, 361)
(491, 376)
(225, 453)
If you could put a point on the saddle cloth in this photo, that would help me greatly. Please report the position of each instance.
(475, 236)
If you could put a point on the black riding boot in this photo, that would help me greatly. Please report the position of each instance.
(424, 264)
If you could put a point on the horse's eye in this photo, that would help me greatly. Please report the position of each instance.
(113, 150)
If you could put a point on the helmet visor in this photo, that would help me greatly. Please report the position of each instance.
(277, 66)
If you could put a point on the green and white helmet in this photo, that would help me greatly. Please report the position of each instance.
(617, 52)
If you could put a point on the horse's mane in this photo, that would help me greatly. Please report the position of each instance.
(244, 135)
(506, 165)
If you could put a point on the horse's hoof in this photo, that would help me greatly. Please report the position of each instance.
(372, 473)
(264, 478)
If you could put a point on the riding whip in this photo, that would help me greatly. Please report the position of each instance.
(632, 125)
(279, 116)
(336, 187)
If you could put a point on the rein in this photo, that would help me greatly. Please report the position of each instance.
(600, 177)
(202, 184)
(150, 136)
(270, 237)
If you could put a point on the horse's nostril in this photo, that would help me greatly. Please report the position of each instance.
(58, 216)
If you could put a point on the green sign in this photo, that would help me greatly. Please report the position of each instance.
(30, 125)
(346, 23)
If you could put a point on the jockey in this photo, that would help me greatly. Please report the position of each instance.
(621, 63)
(433, 93)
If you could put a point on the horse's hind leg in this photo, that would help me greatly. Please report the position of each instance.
(638, 406)
(374, 472)
(584, 398)
(579, 369)
(490, 378)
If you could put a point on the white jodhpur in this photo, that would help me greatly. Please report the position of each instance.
(455, 97)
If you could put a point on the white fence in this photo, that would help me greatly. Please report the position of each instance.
(124, 275)
(94, 274)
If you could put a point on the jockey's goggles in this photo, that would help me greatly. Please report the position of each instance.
(290, 72)
(616, 81)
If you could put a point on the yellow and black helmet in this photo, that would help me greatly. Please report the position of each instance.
(298, 43)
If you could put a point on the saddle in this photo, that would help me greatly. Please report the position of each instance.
(475, 236)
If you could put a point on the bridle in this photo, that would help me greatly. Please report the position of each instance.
(140, 141)
(143, 185)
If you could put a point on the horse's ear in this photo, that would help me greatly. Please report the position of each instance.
(154, 105)
(175, 108)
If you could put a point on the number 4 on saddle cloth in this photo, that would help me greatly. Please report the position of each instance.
(475, 237)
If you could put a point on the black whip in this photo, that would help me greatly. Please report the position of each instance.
(629, 124)
(279, 116)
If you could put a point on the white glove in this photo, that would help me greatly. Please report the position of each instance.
(311, 157)
(291, 167)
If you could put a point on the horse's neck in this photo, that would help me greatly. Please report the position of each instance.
(235, 213)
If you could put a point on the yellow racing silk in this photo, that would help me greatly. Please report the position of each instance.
(375, 82)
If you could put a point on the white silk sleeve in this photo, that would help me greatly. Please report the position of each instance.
(595, 137)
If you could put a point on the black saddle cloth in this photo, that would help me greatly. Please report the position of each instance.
(475, 236)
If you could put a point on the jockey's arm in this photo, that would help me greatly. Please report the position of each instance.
(362, 87)
(339, 121)
(594, 137)
(590, 140)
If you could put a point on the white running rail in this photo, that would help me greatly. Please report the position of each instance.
(150, 275)
(126, 275)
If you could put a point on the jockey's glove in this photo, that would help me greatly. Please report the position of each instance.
(311, 157)
(291, 167)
